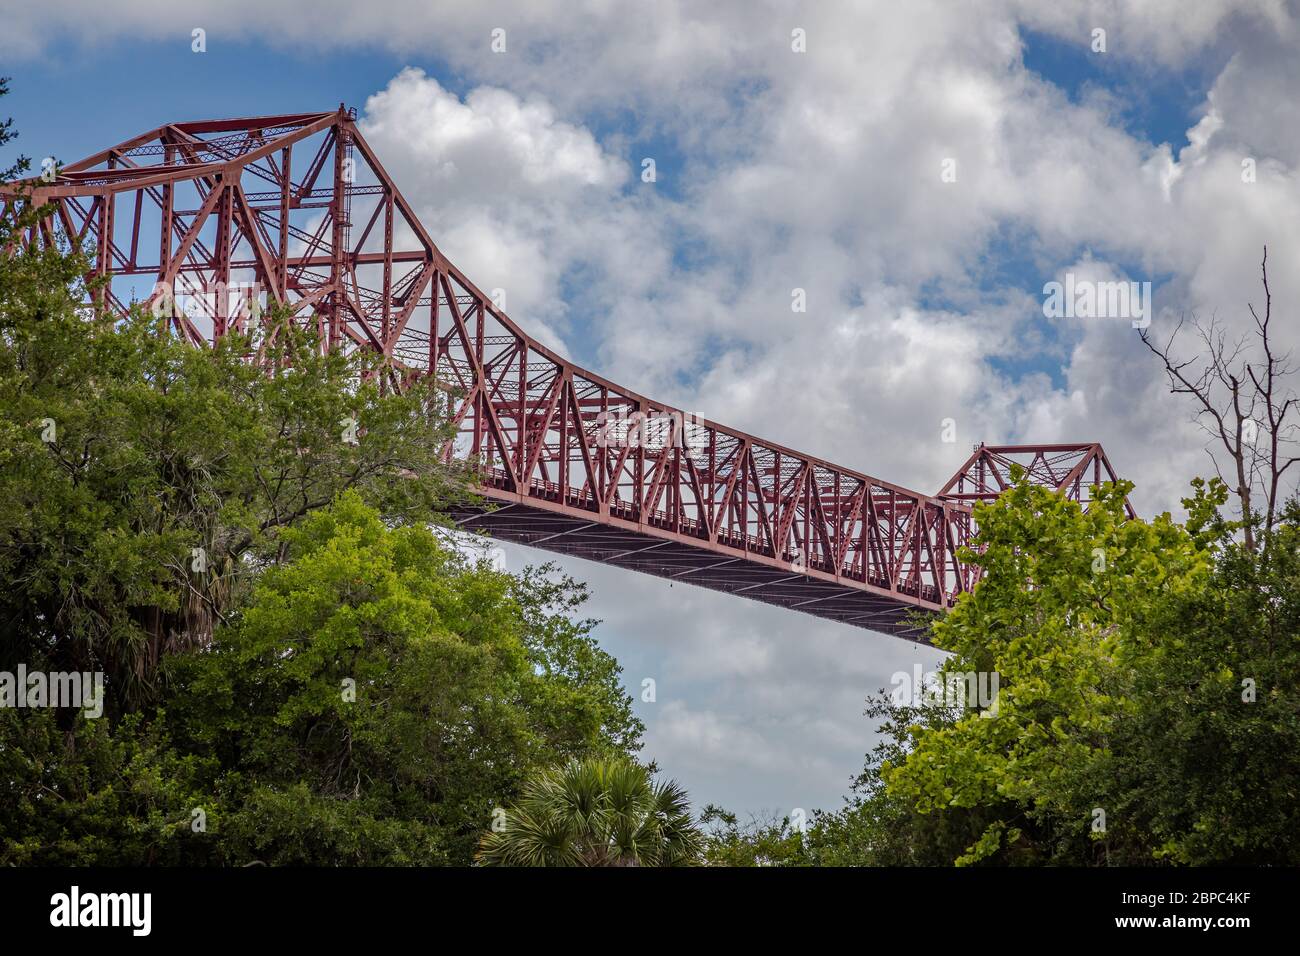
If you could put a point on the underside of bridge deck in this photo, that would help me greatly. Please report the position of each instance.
(681, 559)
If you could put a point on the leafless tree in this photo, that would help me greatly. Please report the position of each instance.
(1245, 407)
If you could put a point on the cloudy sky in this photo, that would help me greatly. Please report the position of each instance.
(921, 169)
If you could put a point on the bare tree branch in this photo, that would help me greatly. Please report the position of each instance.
(1236, 397)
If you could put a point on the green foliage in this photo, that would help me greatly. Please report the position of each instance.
(760, 842)
(301, 668)
(602, 812)
(1122, 732)
(881, 828)
(96, 793)
(1062, 591)
(581, 697)
(1208, 765)
(126, 450)
(7, 134)
(144, 481)
(371, 703)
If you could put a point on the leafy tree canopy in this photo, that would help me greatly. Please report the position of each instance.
(1147, 699)
(302, 666)
(374, 700)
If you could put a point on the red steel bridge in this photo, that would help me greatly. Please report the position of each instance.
(197, 219)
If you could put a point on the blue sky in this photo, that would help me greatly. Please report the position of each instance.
(818, 170)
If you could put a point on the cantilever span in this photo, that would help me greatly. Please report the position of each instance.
(201, 219)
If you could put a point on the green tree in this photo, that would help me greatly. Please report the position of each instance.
(1207, 767)
(99, 792)
(145, 481)
(372, 702)
(302, 666)
(1147, 699)
(881, 828)
(598, 812)
(772, 841)
(582, 697)
(1063, 593)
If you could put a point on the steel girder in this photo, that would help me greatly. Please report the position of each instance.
(1073, 470)
(197, 219)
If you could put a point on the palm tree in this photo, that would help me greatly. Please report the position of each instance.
(595, 813)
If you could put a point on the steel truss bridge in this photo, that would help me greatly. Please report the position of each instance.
(298, 209)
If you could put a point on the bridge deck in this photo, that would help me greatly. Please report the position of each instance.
(681, 558)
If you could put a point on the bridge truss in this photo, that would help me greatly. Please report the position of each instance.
(199, 219)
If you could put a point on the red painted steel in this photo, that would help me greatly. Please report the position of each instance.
(198, 219)
(1074, 470)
